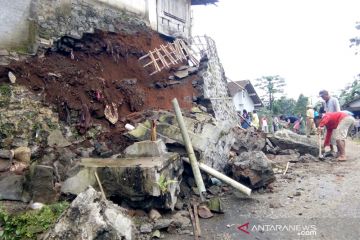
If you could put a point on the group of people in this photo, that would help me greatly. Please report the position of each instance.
(337, 124)
(328, 118)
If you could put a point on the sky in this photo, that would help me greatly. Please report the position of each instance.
(304, 41)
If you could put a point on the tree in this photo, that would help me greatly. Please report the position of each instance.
(284, 106)
(271, 85)
(351, 91)
(355, 41)
(301, 103)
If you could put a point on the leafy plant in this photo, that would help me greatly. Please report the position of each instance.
(29, 224)
(163, 183)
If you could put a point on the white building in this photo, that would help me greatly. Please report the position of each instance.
(353, 106)
(244, 96)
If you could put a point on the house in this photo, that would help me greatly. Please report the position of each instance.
(244, 96)
(353, 106)
(22, 20)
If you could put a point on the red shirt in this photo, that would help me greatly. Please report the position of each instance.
(331, 120)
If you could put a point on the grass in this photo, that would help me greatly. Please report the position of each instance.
(30, 224)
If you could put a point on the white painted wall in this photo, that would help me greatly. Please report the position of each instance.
(14, 24)
(242, 101)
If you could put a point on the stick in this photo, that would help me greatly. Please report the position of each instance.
(101, 188)
(223, 178)
(287, 167)
(189, 148)
(153, 131)
(197, 222)
(196, 235)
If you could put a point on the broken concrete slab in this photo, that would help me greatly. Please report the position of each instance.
(248, 140)
(146, 149)
(91, 217)
(286, 139)
(143, 182)
(79, 182)
(253, 169)
(42, 184)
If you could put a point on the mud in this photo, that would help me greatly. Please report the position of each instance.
(81, 77)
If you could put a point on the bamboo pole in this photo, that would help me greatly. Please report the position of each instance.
(192, 217)
(197, 222)
(193, 162)
(223, 178)
(101, 188)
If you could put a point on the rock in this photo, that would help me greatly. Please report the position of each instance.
(7, 154)
(42, 184)
(154, 214)
(146, 149)
(146, 228)
(307, 158)
(179, 204)
(79, 182)
(12, 188)
(162, 223)
(192, 70)
(181, 74)
(286, 139)
(66, 156)
(23, 154)
(4, 52)
(275, 205)
(204, 212)
(181, 221)
(183, 67)
(214, 190)
(247, 140)
(286, 158)
(253, 169)
(108, 221)
(57, 139)
(19, 142)
(215, 205)
(156, 234)
(215, 181)
(12, 77)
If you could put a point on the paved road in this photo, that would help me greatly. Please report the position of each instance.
(316, 200)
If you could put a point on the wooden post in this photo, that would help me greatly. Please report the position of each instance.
(193, 161)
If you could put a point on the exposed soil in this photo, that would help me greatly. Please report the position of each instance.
(100, 69)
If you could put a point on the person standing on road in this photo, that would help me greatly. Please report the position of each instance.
(255, 120)
(310, 115)
(331, 104)
(337, 126)
(264, 125)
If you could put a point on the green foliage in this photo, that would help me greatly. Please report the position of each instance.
(29, 224)
(163, 183)
(300, 107)
(350, 92)
(284, 106)
(272, 86)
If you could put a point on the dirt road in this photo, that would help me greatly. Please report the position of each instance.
(316, 200)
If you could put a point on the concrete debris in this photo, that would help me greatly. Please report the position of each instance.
(154, 214)
(108, 221)
(57, 139)
(253, 169)
(146, 149)
(12, 77)
(4, 52)
(181, 74)
(78, 183)
(286, 139)
(146, 228)
(247, 140)
(42, 184)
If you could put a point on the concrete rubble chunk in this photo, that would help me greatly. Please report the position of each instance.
(181, 74)
(253, 169)
(23, 154)
(90, 217)
(12, 188)
(142, 182)
(146, 149)
(57, 139)
(12, 77)
(4, 52)
(79, 182)
(286, 139)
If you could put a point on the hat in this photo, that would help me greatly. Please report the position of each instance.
(323, 93)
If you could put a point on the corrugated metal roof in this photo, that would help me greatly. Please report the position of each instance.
(203, 2)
